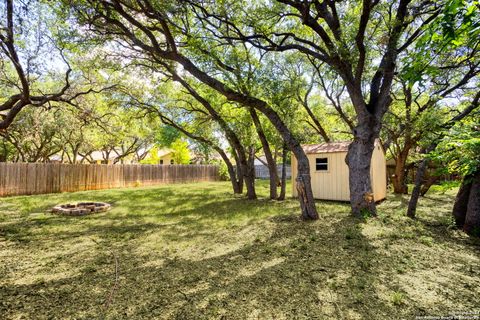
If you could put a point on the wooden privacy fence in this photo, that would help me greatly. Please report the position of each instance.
(39, 178)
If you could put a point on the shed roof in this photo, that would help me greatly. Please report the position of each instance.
(326, 147)
(341, 146)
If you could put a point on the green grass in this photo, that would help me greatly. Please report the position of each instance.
(194, 251)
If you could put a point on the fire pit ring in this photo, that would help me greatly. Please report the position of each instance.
(81, 208)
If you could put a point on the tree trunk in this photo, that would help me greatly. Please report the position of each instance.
(412, 204)
(459, 210)
(272, 166)
(472, 218)
(307, 203)
(428, 183)
(249, 174)
(237, 188)
(235, 177)
(304, 188)
(283, 186)
(231, 136)
(399, 179)
(303, 181)
(239, 173)
(358, 159)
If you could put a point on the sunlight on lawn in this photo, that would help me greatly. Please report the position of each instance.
(196, 251)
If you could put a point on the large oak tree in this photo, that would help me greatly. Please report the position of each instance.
(160, 31)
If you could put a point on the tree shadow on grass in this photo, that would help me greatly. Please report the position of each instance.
(209, 257)
(300, 270)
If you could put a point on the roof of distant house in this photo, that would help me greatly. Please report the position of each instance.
(55, 157)
(164, 152)
(101, 155)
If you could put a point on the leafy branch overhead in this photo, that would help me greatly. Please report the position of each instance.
(22, 79)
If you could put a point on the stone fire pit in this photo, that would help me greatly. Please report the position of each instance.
(81, 208)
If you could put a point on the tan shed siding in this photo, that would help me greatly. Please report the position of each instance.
(328, 185)
(334, 184)
(331, 184)
(378, 174)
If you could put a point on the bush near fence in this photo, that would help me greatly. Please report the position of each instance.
(40, 178)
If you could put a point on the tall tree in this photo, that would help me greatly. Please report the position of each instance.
(34, 136)
(471, 107)
(361, 41)
(460, 149)
(160, 32)
(180, 111)
(450, 44)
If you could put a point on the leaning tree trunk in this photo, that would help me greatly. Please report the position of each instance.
(461, 201)
(420, 175)
(272, 166)
(303, 181)
(304, 188)
(283, 186)
(237, 184)
(307, 202)
(231, 136)
(428, 184)
(244, 172)
(358, 159)
(412, 204)
(472, 217)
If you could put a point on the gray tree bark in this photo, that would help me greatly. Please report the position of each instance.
(459, 210)
(249, 174)
(412, 204)
(472, 217)
(399, 180)
(283, 186)
(358, 160)
(271, 165)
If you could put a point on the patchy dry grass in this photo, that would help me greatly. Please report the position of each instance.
(195, 251)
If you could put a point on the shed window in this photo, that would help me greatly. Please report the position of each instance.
(321, 164)
(171, 161)
(161, 161)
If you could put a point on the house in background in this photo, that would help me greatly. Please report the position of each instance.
(329, 172)
(55, 158)
(101, 157)
(94, 157)
(165, 156)
(155, 155)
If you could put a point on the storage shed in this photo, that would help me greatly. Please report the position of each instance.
(329, 172)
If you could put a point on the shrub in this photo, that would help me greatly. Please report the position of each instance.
(223, 172)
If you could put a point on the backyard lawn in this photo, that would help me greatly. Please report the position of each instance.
(194, 251)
